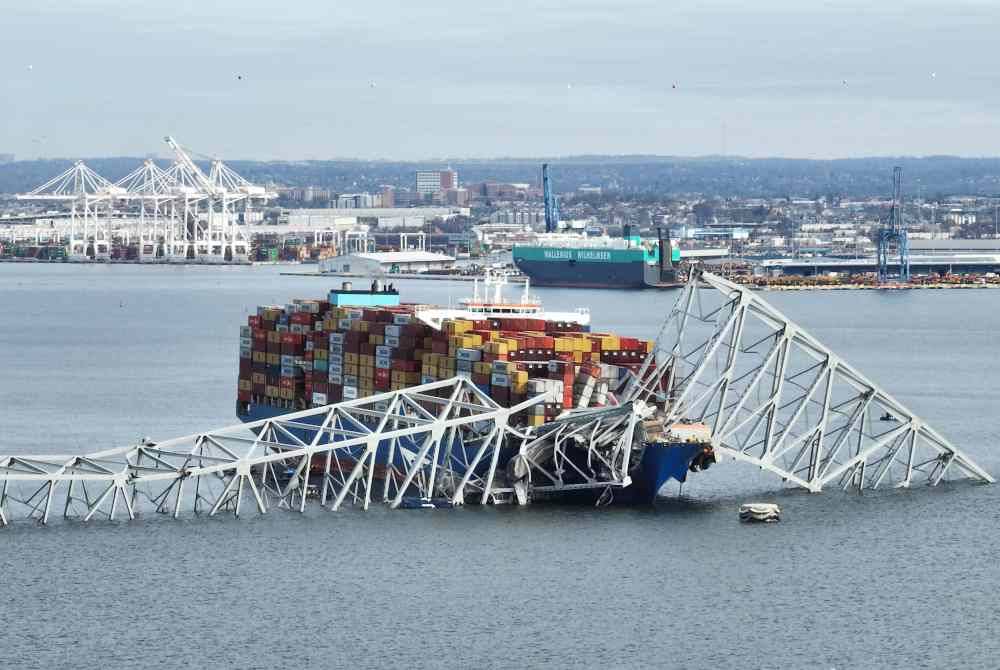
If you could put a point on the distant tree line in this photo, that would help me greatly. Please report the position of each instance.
(637, 178)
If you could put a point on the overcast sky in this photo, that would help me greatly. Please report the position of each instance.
(790, 78)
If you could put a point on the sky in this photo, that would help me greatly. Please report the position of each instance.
(404, 80)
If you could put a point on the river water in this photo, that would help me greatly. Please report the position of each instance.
(97, 356)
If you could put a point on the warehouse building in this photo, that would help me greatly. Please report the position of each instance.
(387, 262)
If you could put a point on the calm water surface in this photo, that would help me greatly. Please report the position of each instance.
(94, 357)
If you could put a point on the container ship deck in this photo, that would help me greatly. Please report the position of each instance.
(356, 344)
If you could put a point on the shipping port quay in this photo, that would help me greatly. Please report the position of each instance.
(725, 364)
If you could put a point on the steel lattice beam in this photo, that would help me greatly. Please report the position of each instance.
(438, 440)
(774, 396)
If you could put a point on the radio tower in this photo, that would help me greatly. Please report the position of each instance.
(894, 232)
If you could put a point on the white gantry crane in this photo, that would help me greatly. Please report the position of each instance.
(91, 200)
(174, 215)
(769, 392)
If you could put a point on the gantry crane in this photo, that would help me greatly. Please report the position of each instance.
(894, 232)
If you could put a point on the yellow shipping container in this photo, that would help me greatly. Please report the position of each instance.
(377, 340)
(366, 372)
(351, 369)
(521, 387)
(274, 359)
(519, 376)
(610, 343)
(578, 357)
(350, 358)
(245, 385)
(259, 357)
(320, 354)
(595, 357)
(412, 378)
(563, 344)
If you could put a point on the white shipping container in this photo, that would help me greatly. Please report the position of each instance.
(335, 378)
(350, 392)
(384, 363)
(245, 331)
(337, 338)
(392, 341)
(382, 351)
(499, 380)
(344, 324)
(392, 331)
(401, 319)
(337, 358)
(474, 355)
(427, 379)
(319, 399)
(465, 366)
(351, 380)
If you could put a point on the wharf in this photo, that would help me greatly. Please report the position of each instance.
(869, 287)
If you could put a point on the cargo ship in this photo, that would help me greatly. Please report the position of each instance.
(359, 343)
(570, 260)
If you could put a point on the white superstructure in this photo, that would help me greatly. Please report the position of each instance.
(493, 305)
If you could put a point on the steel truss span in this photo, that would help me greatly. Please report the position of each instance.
(776, 397)
(438, 441)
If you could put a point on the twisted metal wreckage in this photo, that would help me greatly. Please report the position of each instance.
(769, 392)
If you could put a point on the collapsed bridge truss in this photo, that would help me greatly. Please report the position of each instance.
(431, 441)
(774, 396)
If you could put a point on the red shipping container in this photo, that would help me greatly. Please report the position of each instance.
(254, 321)
(246, 367)
(244, 396)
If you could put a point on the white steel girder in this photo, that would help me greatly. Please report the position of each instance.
(774, 396)
(438, 441)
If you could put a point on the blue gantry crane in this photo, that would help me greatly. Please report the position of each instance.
(551, 205)
(894, 233)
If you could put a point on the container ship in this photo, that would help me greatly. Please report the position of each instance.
(569, 260)
(358, 343)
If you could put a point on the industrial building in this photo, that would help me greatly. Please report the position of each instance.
(388, 262)
(435, 181)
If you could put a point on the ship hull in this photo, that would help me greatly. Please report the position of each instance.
(583, 274)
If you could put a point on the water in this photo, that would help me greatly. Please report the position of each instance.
(97, 356)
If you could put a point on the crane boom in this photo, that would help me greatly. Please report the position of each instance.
(184, 159)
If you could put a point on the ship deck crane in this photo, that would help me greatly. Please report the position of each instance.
(894, 233)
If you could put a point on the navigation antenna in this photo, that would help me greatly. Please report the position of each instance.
(894, 232)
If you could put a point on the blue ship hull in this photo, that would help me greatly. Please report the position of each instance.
(660, 462)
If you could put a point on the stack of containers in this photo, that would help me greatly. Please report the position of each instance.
(310, 353)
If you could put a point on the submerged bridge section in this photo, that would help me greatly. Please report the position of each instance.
(769, 392)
